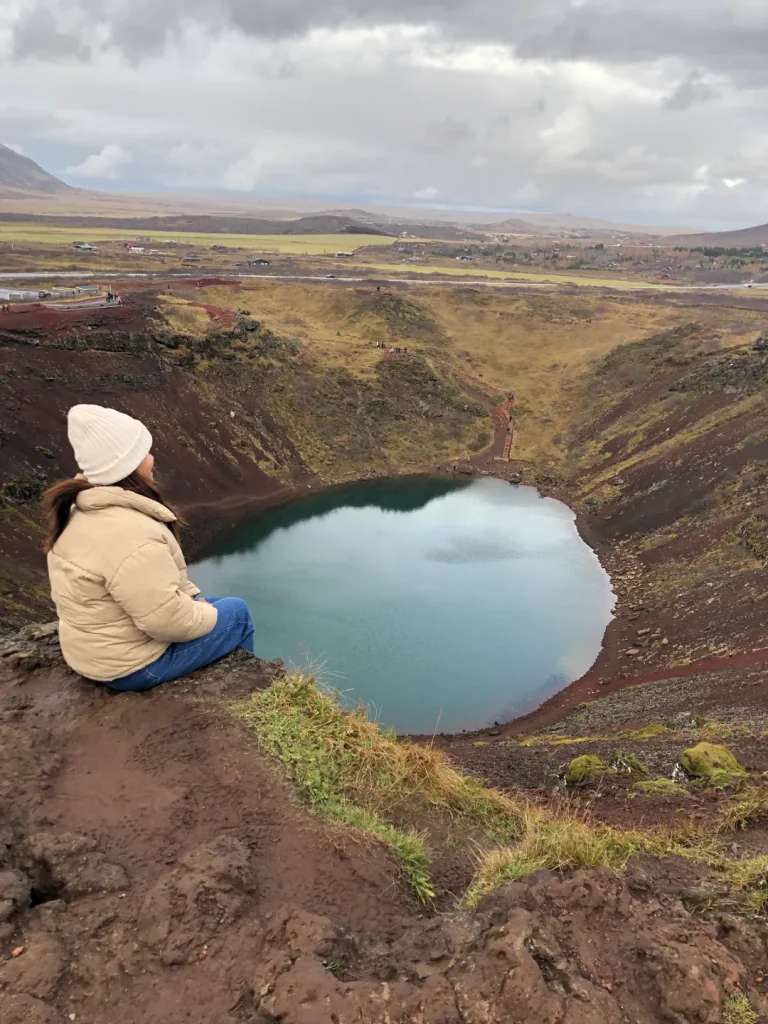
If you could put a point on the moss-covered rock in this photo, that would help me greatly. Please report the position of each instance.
(584, 769)
(712, 763)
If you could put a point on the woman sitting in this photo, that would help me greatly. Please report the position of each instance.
(129, 616)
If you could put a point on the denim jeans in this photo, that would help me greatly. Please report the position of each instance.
(234, 628)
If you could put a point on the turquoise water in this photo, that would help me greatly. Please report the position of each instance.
(442, 605)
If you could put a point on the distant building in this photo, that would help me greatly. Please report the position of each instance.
(258, 262)
(340, 253)
(84, 246)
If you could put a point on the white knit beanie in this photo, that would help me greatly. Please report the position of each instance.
(108, 445)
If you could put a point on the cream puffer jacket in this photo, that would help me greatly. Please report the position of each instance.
(120, 586)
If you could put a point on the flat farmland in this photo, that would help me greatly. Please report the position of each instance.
(298, 245)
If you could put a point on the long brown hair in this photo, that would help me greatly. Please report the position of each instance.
(59, 498)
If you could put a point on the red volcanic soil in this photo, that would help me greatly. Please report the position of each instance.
(37, 317)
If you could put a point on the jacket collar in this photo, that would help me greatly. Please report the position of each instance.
(100, 497)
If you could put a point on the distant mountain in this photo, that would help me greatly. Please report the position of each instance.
(744, 238)
(22, 174)
(565, 223)
(310, 224)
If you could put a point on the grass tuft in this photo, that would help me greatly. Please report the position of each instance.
(351, 771)
(558, 841)
(737, 1009)
(749, 807)
(749, 877)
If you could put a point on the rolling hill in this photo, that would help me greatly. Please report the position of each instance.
(19, 173)
(743, 238)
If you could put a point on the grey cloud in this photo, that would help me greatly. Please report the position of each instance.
(447, 134)
(691, 90)
(730, 37)
(36, 35)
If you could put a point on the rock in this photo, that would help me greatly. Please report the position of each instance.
(205, 893)
(22, 1009)
(70, 865)
(42, 631)
(38, 971)
(713, 763)
(632, 651)
(14, 893)
(584, 769)
(24, 661)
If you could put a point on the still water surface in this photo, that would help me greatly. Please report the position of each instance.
(442, 604)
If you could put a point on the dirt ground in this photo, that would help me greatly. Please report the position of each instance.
(156, 869)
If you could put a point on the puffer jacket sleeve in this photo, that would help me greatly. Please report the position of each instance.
(148, 587)
(187, 586)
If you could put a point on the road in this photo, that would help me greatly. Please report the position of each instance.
(373, 278)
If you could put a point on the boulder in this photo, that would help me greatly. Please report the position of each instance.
(712, 763)
(584, 769)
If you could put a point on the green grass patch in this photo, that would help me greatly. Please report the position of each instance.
(351, 771)
(648, 732)
(661, 787)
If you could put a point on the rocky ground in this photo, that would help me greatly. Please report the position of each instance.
(155, 867)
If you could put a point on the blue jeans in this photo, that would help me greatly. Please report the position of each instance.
(234, 628)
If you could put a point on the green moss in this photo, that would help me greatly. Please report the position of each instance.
(713, 763)
(648, 732)
(584, 769)
(556, 741)
(661, 787)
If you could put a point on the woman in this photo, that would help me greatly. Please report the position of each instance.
(128, 614)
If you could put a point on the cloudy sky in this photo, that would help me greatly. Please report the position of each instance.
(651, 111)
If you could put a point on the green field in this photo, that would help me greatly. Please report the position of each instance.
(298, 245)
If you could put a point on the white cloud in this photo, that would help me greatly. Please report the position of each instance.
(734, 182)
(428, 193)
(107, 164)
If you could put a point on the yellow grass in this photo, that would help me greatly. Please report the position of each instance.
(621, 284)
(299, 245)
(535, 344)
